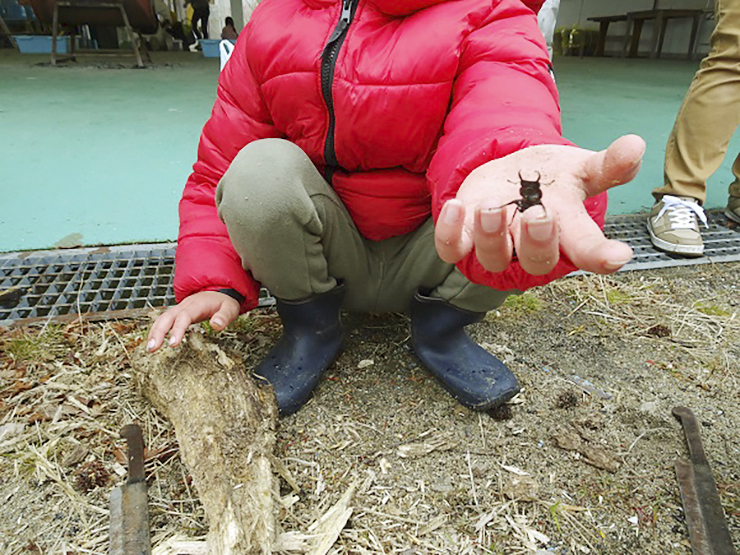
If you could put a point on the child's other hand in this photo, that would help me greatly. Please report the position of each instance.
(219, 309)
(476, 220)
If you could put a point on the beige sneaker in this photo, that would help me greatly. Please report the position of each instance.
(673, 225)
(733, 209)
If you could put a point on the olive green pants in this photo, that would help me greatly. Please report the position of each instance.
(295, 236)
(709, 114)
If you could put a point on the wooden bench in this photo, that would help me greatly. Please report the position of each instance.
(661, 18)
(604, 22)
(635, 22)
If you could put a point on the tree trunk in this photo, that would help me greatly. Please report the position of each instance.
(225, 426)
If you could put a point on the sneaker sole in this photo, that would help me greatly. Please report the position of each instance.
(686, 250)
(731, 215)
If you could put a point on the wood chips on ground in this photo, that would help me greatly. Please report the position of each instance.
(580, 462)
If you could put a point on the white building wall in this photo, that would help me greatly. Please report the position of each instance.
(220, 9)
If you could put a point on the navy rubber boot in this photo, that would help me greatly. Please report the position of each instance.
(473, 376)
(311, 341)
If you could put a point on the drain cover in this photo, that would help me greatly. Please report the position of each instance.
(123, 280)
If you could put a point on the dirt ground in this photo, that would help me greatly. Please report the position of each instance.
(582, 461)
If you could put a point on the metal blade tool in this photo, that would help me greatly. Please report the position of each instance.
(129, 515)
(705, 518)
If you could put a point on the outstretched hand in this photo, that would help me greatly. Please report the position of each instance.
(219, 309)
(478, 220)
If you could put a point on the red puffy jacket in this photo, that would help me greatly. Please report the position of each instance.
(422, 93)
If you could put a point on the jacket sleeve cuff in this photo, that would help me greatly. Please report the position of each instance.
(234, 294)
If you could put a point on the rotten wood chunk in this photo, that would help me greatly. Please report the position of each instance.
(225, 426)
(595, 455)
(522, 488)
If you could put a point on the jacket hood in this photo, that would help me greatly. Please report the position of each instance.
(398, 8)
(403, 7)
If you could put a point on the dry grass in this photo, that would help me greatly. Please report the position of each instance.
(707, 327)
(429, 476)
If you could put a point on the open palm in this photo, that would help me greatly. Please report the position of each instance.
(481, 218)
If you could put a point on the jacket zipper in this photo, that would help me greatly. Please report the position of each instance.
(328, 62)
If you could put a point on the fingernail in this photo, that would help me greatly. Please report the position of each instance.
(616, 264)
(491, 220)
(537, 213)
(217, 322)
(172, 341)
(150, 345)
(451, 213)
(540, 229)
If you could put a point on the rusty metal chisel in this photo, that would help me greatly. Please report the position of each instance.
(705, 518)
(129, 515)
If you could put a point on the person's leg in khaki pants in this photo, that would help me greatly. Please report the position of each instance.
(296, 237)
(733, 203)
(706, 121)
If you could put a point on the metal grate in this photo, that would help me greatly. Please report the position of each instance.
(61, 283)
(721, 241)
(123, 279)
(43, 284)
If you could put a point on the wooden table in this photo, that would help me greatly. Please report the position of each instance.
(71, 13)
(635, 21)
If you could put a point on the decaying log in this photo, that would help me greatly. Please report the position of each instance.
(225, 426)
